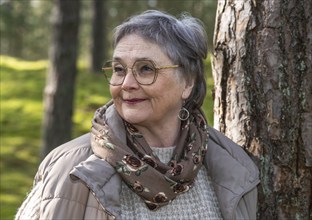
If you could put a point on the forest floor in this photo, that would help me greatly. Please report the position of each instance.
(21, 110)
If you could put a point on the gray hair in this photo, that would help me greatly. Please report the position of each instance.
(184, 41)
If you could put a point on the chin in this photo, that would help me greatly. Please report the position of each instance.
(134, 121)
(133, 117)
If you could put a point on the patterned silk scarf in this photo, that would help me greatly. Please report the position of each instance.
(155, 182)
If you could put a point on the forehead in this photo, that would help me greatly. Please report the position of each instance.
(133, 47)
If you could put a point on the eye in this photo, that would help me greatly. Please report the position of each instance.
(118, 69)
(145, 69)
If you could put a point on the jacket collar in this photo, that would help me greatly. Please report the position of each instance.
(232, 172)
(100, 177)
(103, 180)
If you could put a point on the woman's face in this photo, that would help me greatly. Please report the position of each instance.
(148, 105)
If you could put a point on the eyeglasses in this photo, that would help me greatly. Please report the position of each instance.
(144, 71)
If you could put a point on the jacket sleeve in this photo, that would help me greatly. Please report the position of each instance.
(31, 205)
(247, 206)
(61, 197)
(54, 195)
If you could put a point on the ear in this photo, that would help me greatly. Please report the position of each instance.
(187, 89)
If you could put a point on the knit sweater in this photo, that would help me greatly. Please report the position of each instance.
(200, 202)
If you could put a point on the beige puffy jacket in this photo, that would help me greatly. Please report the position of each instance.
(75, 184)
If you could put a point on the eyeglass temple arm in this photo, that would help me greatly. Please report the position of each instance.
(167, 67)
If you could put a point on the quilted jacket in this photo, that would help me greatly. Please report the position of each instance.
(75, 184)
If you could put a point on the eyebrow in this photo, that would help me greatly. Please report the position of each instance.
(116, 59)
(141, 58)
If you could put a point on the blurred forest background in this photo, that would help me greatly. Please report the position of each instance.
(26, 31)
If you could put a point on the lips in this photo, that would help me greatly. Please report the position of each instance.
(133, 100)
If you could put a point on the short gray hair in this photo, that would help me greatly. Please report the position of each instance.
(184, 40)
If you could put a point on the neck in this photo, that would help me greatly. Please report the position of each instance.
(161, 135)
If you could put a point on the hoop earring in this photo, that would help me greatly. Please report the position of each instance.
(184, 114)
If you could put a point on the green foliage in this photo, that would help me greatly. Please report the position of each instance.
(22, 84)
(208, 103)
(26, 29)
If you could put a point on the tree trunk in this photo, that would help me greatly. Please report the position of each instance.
(98, 35)
(60, 85)
(262, 68)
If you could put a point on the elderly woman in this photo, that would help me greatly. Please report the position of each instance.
(150, 153)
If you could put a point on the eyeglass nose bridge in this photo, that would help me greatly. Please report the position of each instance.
(136, 74)
(133, 73)
(131, 68)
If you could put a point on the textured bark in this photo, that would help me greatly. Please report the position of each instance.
(262, 68)
(60, 85)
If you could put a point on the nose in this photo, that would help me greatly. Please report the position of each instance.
(129, 81)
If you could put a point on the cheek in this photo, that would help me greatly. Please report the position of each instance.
(168, 94)
(115, 94)
(114, 91)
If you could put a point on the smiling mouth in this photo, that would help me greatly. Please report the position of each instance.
(133, 101)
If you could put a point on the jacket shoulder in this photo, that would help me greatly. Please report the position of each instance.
(67, 155)
(222, 145)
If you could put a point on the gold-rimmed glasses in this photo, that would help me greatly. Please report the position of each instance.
(144, 71)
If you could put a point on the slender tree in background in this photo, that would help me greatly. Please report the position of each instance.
(263, 96)
(14, 24)
(99, 35)
(60, 84)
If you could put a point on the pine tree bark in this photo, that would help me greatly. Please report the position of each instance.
(262, 66)
(60, 84)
